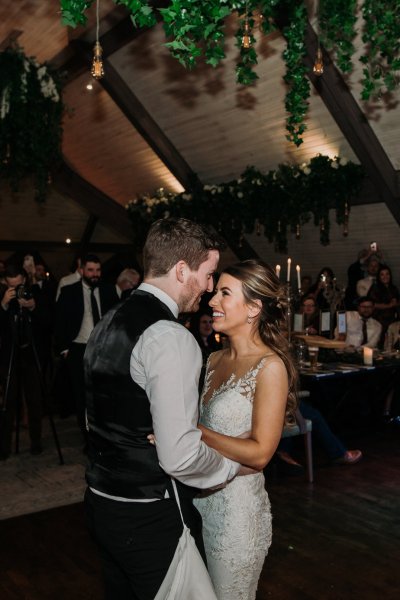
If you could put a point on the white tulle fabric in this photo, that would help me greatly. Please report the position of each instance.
(237, 519)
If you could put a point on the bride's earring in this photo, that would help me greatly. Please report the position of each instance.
(250, 320)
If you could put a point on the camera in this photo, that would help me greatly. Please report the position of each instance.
(23, 293)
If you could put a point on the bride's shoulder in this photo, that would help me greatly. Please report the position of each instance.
(215, 358)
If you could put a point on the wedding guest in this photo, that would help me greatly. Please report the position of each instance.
(362, 328)
(333, 446)
(386, 298)
(310, 311)
(325, 291)
(73, 277)
(202, 329)
(363, 285)
(127, 281)
(78, 309)
(356, 272)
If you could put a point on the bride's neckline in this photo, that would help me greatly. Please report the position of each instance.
(228, 382)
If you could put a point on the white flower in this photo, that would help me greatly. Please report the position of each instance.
(213, 190)
(27, 65)
(220, 189)
(306, 170)
(240, 194)
(166, 214)
(334, 164)
(207, 188)
(5, 103)
(343, 160)
(41, 72)
(187, 196)
(258, 181)
(274, 176)
(240, 180)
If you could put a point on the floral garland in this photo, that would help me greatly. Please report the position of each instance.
(197, 29)
(280, 201)
(30, 120)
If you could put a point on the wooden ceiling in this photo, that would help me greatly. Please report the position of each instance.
(150, 124)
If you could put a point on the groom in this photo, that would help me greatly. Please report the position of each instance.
(142, 370)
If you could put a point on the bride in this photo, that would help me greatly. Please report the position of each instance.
(248, 390)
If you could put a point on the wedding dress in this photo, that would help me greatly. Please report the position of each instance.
(237, 518)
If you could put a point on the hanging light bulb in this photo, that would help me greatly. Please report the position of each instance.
(318, 67)
(298, 235)
(346, 220)
(97, 64)
(246, 38)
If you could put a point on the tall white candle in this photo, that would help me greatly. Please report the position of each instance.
(289, 262)
(278, 271)
(298, 277)
(368, 355)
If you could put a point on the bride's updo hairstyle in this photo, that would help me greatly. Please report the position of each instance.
(259, 282)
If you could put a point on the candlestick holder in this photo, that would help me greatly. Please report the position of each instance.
(292, 297)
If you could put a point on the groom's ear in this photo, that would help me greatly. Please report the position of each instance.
(181, 271)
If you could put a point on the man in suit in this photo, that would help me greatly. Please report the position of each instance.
(78, 309)
(142, 371)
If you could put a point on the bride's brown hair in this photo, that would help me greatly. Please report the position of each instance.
(259, 282)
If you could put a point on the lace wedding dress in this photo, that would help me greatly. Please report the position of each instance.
(237, 518)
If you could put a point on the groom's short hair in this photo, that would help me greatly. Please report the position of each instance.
(171, 240)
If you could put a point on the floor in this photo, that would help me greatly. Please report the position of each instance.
(336, 539)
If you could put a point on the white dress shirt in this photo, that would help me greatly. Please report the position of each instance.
(166, 363)
(364, 285)
(68, 280)
(87, 324)
(354, 333)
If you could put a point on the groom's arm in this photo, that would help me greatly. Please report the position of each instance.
(166, 362)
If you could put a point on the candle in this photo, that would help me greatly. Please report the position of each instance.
(298, 277)
(278, 271)
(368, 355)
(289, 262)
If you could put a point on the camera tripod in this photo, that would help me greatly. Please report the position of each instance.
(22, 319)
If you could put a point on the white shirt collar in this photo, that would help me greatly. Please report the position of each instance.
(152, 289)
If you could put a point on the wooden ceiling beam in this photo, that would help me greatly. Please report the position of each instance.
(98, 204)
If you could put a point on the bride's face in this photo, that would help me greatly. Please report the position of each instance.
(230, 310)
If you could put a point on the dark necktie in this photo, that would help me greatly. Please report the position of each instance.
(95, 307)
(364, 331)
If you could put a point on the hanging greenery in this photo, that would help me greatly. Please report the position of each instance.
(30, 120)
(197, 30)
(281, 201)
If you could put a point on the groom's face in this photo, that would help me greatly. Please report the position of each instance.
(199, 282)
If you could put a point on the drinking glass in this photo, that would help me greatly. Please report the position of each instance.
(313, 356)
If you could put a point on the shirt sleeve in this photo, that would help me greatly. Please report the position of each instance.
(166, 363)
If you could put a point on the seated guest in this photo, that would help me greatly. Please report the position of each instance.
(310, 311)
(362, 329)
(334, 448)
(127, 281)
(202, 329)
(363, 285)
(386, 297)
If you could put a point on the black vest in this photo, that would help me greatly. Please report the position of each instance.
(122, 461)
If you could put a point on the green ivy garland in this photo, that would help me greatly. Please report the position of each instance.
(382, 38)
(337, 20)
(30, 120)
(197, 29)
(281, 200)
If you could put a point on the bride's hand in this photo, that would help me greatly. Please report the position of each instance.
(152, 439)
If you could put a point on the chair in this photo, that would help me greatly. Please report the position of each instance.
(303, 427)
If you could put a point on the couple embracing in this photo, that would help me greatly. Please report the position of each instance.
(142, 370)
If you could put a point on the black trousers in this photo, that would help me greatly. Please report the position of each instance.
(137, 542)
(77, 380)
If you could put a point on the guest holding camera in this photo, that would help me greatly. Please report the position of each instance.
(21, 319)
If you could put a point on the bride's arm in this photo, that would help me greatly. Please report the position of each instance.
(268, 417)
